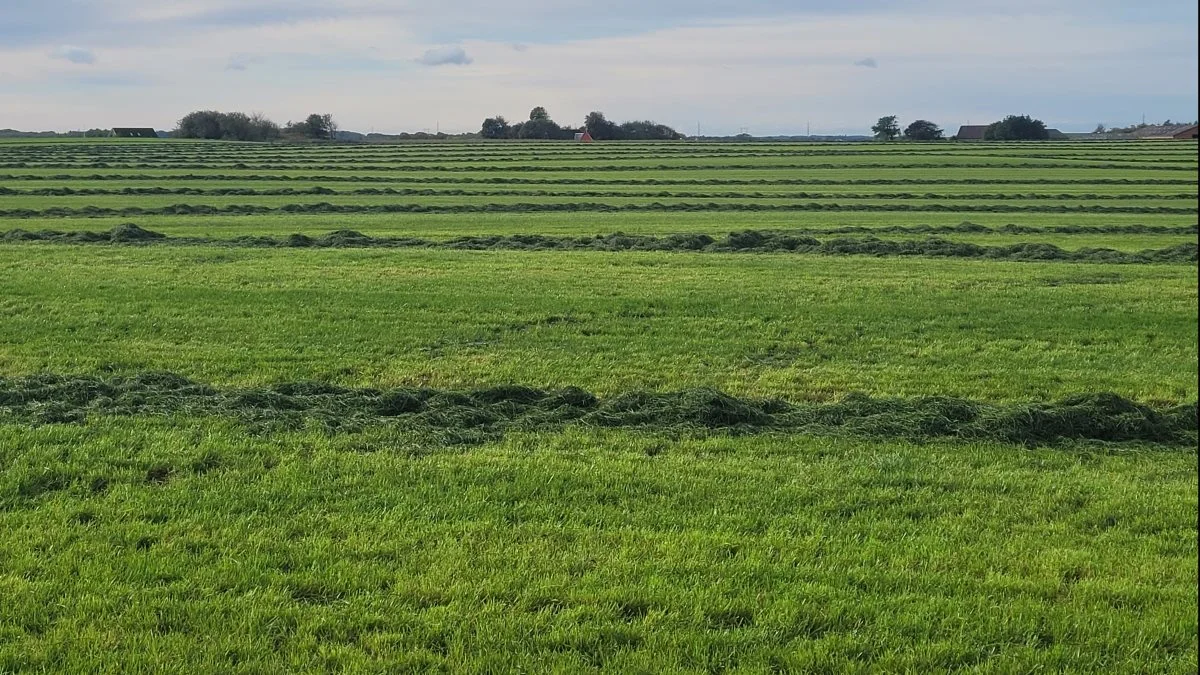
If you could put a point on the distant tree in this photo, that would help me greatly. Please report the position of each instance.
(923, 130)
(1100, 128)
(314, 126)
(296, 129)
(262, 129)
(887, 128)
(1016, 128)
(540, 126)
(329, 126)
(235, 126)
(200, 124)
(97, 133)
(494, 127)
(542, 129)
(599, 128)
(645, 130)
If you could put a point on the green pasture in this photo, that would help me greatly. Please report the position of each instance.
(176, 539)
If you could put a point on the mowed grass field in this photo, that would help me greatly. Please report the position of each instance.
(976, 454)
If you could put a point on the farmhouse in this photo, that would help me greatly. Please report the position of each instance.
(1175, 132)
(584, 137)
(134, 132)
(971, 132)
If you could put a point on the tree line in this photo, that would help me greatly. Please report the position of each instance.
(541, 126)
(237, 126)
(1011, 128)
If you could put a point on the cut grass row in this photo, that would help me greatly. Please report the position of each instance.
(451, 418)
(499, 161)
(181, 148)
(26, 196)
(654, 164)
(105, 180)
(152, 145)
(1116, 230)
(527, 152)
(744, 241)
(673, 176)
(320, 204)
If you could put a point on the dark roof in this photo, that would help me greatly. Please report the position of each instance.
(1056, 135)
(971, 132)
(1162, 131)
(1189, 131)
(135, 132)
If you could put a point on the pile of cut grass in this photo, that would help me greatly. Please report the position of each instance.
(581, 207)
(747, 241)
(488, 413)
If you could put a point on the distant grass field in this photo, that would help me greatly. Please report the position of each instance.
(167, 503)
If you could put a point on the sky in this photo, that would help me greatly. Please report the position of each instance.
(723, 66)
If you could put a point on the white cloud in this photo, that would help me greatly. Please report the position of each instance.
(75, 55)
(445, 56)
(242, 62)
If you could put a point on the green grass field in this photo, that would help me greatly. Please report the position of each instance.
(923, 464)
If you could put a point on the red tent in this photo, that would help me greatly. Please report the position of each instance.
(585, 137)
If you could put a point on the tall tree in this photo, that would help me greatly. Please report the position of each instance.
(263, 129)
(538, 113)
(599, 128)
(494, 127)
(329, 126)
(887, 128)
(542, 129)
(645, 130)
(923, 130)
(200, 124)
(1016, 128)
